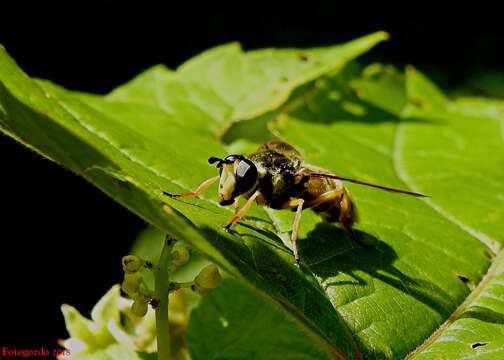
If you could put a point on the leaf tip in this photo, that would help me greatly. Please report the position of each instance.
(410, 70)
(385, 36)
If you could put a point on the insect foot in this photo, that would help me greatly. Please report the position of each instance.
(170, 195)
(298, 261)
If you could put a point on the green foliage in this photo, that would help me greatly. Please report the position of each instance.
(475, 330)
(428, 257)
(433, 252)
(248, 327)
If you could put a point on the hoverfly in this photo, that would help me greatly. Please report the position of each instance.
(276, 176)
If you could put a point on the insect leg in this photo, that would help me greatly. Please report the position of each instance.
(295, 203)
(295, 230)
(204, 185)
(241, 213)
(347, 213)
(347, 218)
(236, 205)
(325, 197)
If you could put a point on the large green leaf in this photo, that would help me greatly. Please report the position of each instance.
(134, 150)
(476, 328)
(249, 327)
(225, 84)
(427, 256)
(433, 251)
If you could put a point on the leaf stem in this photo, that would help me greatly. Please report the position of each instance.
(161, 293)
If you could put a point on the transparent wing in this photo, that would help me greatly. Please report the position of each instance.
(365, 183)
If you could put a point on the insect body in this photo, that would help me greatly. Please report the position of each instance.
(276, 176)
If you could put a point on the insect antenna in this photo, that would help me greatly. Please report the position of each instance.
(361, 182)
(213, 160)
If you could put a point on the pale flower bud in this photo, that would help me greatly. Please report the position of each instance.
(208, 277)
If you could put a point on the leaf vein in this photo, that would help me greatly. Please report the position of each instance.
(397, 159)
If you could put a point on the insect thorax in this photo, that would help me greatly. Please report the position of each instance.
(276, 176)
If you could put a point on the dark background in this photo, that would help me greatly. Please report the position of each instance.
(61, 240)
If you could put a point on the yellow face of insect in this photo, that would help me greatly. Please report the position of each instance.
(237, 177)
(227, 184)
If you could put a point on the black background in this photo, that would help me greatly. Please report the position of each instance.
(61, 240)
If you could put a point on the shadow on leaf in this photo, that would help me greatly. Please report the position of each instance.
(275, 271)
(483, 314)
(338, 101)
(329, 252)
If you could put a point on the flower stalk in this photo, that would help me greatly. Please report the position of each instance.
(172, 256)
(161, 294)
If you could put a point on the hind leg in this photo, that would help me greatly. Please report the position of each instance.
(337, 205)
(295, 231)
(347, 218)
(340, 209)
(298, 205)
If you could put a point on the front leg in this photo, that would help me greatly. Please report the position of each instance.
(236, 205)
(241, 213)
(204, 185)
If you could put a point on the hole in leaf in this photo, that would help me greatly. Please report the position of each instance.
(478, 344)
(463, 278)
(224, 322)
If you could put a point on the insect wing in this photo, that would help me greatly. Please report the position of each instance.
(365, 183)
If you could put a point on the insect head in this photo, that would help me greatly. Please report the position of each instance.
(238, 175)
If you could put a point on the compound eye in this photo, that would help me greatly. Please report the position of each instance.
(246, 176)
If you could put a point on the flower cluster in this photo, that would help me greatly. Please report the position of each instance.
(134, 286)
(128, 324)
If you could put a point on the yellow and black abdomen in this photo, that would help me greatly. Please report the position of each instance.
(341, 210)
(331, 200)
